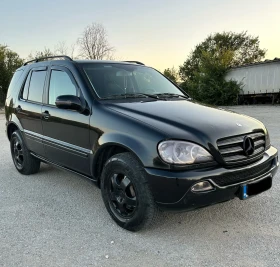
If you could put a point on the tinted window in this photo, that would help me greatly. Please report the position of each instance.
(115, 79)
(26, 85)
(36, 86)
(60, 84)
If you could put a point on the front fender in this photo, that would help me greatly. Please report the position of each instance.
(144, 150)
(108, 127)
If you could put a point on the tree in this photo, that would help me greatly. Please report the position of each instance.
(93, 43)
(63, 49)
(203, 72)
(172, 74)
(60, 49)
(47, 52)
(9, 62)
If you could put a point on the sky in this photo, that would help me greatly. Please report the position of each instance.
(160, 33)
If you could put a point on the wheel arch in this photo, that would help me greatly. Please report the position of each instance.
(105, 152)
(12, 127)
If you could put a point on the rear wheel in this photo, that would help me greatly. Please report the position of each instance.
(24, 162)
(126, 193)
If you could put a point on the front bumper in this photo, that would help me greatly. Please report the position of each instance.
(172, 190)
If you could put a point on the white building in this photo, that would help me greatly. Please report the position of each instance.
(260, 81)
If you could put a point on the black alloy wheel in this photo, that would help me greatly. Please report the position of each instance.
(17, 152)
(24, 162)
(122, 195)
(126, 192)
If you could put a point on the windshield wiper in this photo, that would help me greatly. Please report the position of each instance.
(139, 95)
(171, 95)
(136, 95)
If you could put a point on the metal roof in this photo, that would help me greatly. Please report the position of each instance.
(267, 61)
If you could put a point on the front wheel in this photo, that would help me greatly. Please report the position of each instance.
(24, 162)
(126, 193)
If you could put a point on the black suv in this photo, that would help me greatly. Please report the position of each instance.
(136, 134)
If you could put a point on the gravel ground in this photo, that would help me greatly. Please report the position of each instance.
(55, 218)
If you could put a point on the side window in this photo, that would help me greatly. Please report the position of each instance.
(60, 84)
(36, 86)
(26, 86)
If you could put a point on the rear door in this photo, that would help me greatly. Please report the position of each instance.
(29, 109)
(66, 132)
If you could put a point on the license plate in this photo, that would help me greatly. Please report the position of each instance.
(254, 188)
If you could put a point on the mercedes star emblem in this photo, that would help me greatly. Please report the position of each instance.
(248, 146)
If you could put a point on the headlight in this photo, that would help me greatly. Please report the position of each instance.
(181, 152)
(267, 140)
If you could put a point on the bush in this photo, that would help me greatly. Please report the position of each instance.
(203, 72)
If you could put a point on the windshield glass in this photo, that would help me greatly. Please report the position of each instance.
(113, 79)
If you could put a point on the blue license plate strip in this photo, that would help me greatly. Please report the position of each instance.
(244, 191)
(254, 188)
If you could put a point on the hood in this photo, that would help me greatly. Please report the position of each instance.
(186, 120)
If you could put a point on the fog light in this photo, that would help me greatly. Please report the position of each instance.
(202, 186)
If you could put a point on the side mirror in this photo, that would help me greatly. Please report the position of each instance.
(69, 102)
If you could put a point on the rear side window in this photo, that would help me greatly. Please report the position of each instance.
(34, 86)
(60, 84)
(26, 86)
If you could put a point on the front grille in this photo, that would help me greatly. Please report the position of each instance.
(243, 175)
(231, 148)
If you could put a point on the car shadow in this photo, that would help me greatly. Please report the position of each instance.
(228, 218)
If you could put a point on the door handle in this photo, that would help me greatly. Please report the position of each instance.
(18, 109)
(46, 115)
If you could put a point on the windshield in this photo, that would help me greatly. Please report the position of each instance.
(113, 79)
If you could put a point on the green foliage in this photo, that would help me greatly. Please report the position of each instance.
(60, 49)
(39, 54)
(172, 74)
(213, 91)
(203, 72)
(9, 62)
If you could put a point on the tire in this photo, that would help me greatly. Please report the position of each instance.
(24, 162)
(126, 193)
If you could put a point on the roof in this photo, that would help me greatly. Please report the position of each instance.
(267, 61)
(95, 61)
(108, 61)
(67, 58)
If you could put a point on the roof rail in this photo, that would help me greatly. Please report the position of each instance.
(136, 62)
(44, 58)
